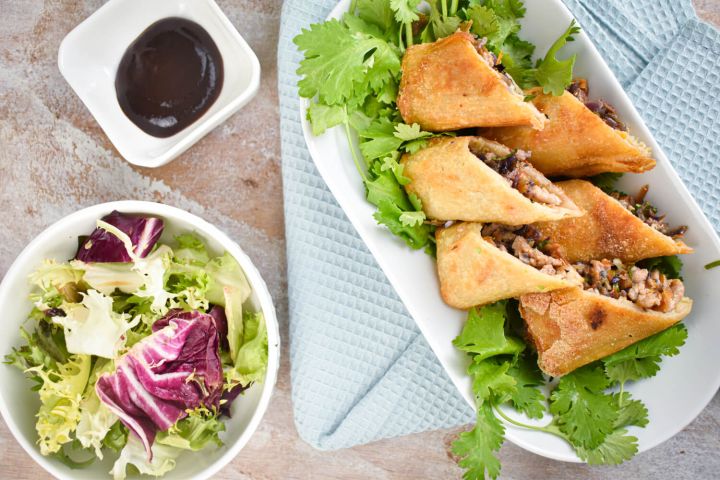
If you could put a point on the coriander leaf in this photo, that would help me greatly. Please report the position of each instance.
(411, 219)
(415, 145)
(416, 202)
(387, 94)
(439, 26)
(491, 382)
(390, 163)
(484, 333)
(527, 398)
(335, 63)
(360, 120)
(496, 20)
(484, 21)
(383, 69)
(357, 24)
(385, 187)
(405, 10)
(407, 132)
(508, 8)
(606, 181)
(323, 117)
(517, 60)
(555, 75)
(582, 411)
(476, 448)
(379, 139)
(641, 360)
(377, 12)
(617, 447)
(630, 412)
(668, 266)
(388, 214)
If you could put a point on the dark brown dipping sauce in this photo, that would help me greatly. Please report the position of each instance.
(169, 76)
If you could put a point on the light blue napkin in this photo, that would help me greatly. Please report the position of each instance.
(360, 368)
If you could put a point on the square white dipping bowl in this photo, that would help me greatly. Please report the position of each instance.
(90, 54)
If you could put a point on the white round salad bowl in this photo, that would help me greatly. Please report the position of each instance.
(18, 404)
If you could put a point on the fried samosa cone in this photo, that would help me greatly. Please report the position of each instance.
(607, 230)
(454, 183)
(449, 85)
(473, 271)
(573, 327)
(575, 141)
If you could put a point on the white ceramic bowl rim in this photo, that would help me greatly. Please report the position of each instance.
(167, 213)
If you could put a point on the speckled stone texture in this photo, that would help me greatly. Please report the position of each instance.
(54, 159)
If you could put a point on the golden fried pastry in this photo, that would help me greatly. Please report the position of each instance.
(576, 142)
(608, 229)
(573, 327)
(473, 179)
(479, 264)
(452, 84)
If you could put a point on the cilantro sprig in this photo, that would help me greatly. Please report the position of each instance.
(351, 74)
(585, 411)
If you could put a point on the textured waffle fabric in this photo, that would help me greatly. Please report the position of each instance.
(360, 368)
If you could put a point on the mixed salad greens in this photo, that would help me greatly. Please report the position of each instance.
(138, 348)
(350, 75)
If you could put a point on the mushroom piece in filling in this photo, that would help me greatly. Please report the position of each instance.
(648, 213)
(526, 243)
(579, 88)
(648, 289)
(521, 175)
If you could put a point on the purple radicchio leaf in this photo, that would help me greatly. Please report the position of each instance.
(103, 246)
(218, 314)
(229, 397)
(174, 369)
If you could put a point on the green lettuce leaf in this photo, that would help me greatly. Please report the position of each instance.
(116, 437)
(251, 360)
(224, 273)
(190, 249)
(106, 277)
(194, 432)
(60, 395)
(96, 419)
(92, 327)
(163, 459)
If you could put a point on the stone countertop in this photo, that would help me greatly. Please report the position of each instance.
(54, 160)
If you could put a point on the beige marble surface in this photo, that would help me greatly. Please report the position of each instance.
(54, 159)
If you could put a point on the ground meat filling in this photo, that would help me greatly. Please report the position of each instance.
(492, 60)
(646, 212)
(526, 243)
(648, 289)
(522, 176)
(604, 110)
